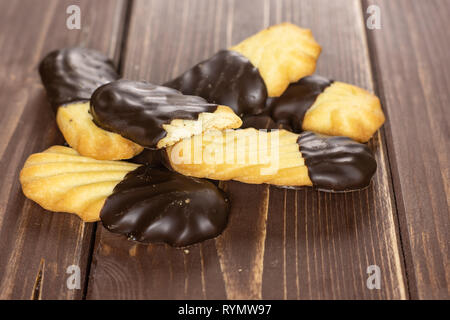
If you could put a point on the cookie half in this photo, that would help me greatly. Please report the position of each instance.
(155, 116)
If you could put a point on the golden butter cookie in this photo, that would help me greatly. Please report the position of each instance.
(70, 76)
(345, 110)
(278, 157)
(283, 53)
(61, 180)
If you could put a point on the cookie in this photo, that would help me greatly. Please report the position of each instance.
(70, 76)
(328, 107)
(149, 157)
(345, 110)
(278, 157)
(155, 116)
(156, 205)
(336, 163)
(259, 67)
(143, 203)
(289, 109)
(283, 54)
(231, 79)
(227, 78)
(61, 180)
(77, 126)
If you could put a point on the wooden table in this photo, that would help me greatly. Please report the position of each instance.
(280, 244)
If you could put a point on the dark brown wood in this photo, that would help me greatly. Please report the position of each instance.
(280, 244)
(411, 59)
(36, 247)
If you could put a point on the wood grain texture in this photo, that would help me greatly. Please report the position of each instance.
(280, 244)
(411, 58)
(36, 247)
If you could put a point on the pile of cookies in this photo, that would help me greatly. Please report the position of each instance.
(253, 113)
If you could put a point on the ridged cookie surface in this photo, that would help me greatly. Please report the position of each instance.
(278, 157)
(245, 155)
(158, 205)
(72, 74)
(61, 180)
(283, 53)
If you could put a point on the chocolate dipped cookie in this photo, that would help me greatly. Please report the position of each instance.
(70, 76)
(278, 157)
(329, 107)
(141, 202)
(155, 116)
(261, 66)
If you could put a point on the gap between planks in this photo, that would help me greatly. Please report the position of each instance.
(377, 88)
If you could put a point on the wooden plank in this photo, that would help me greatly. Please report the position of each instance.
(36, 247)
(279, 243)
(411, 52)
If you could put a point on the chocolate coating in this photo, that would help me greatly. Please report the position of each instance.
(72, 74)
(291, 106)
(262, 122)
(336, 163)
(157, 205)
(149, 157)
(227, 78)
(137, 110)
